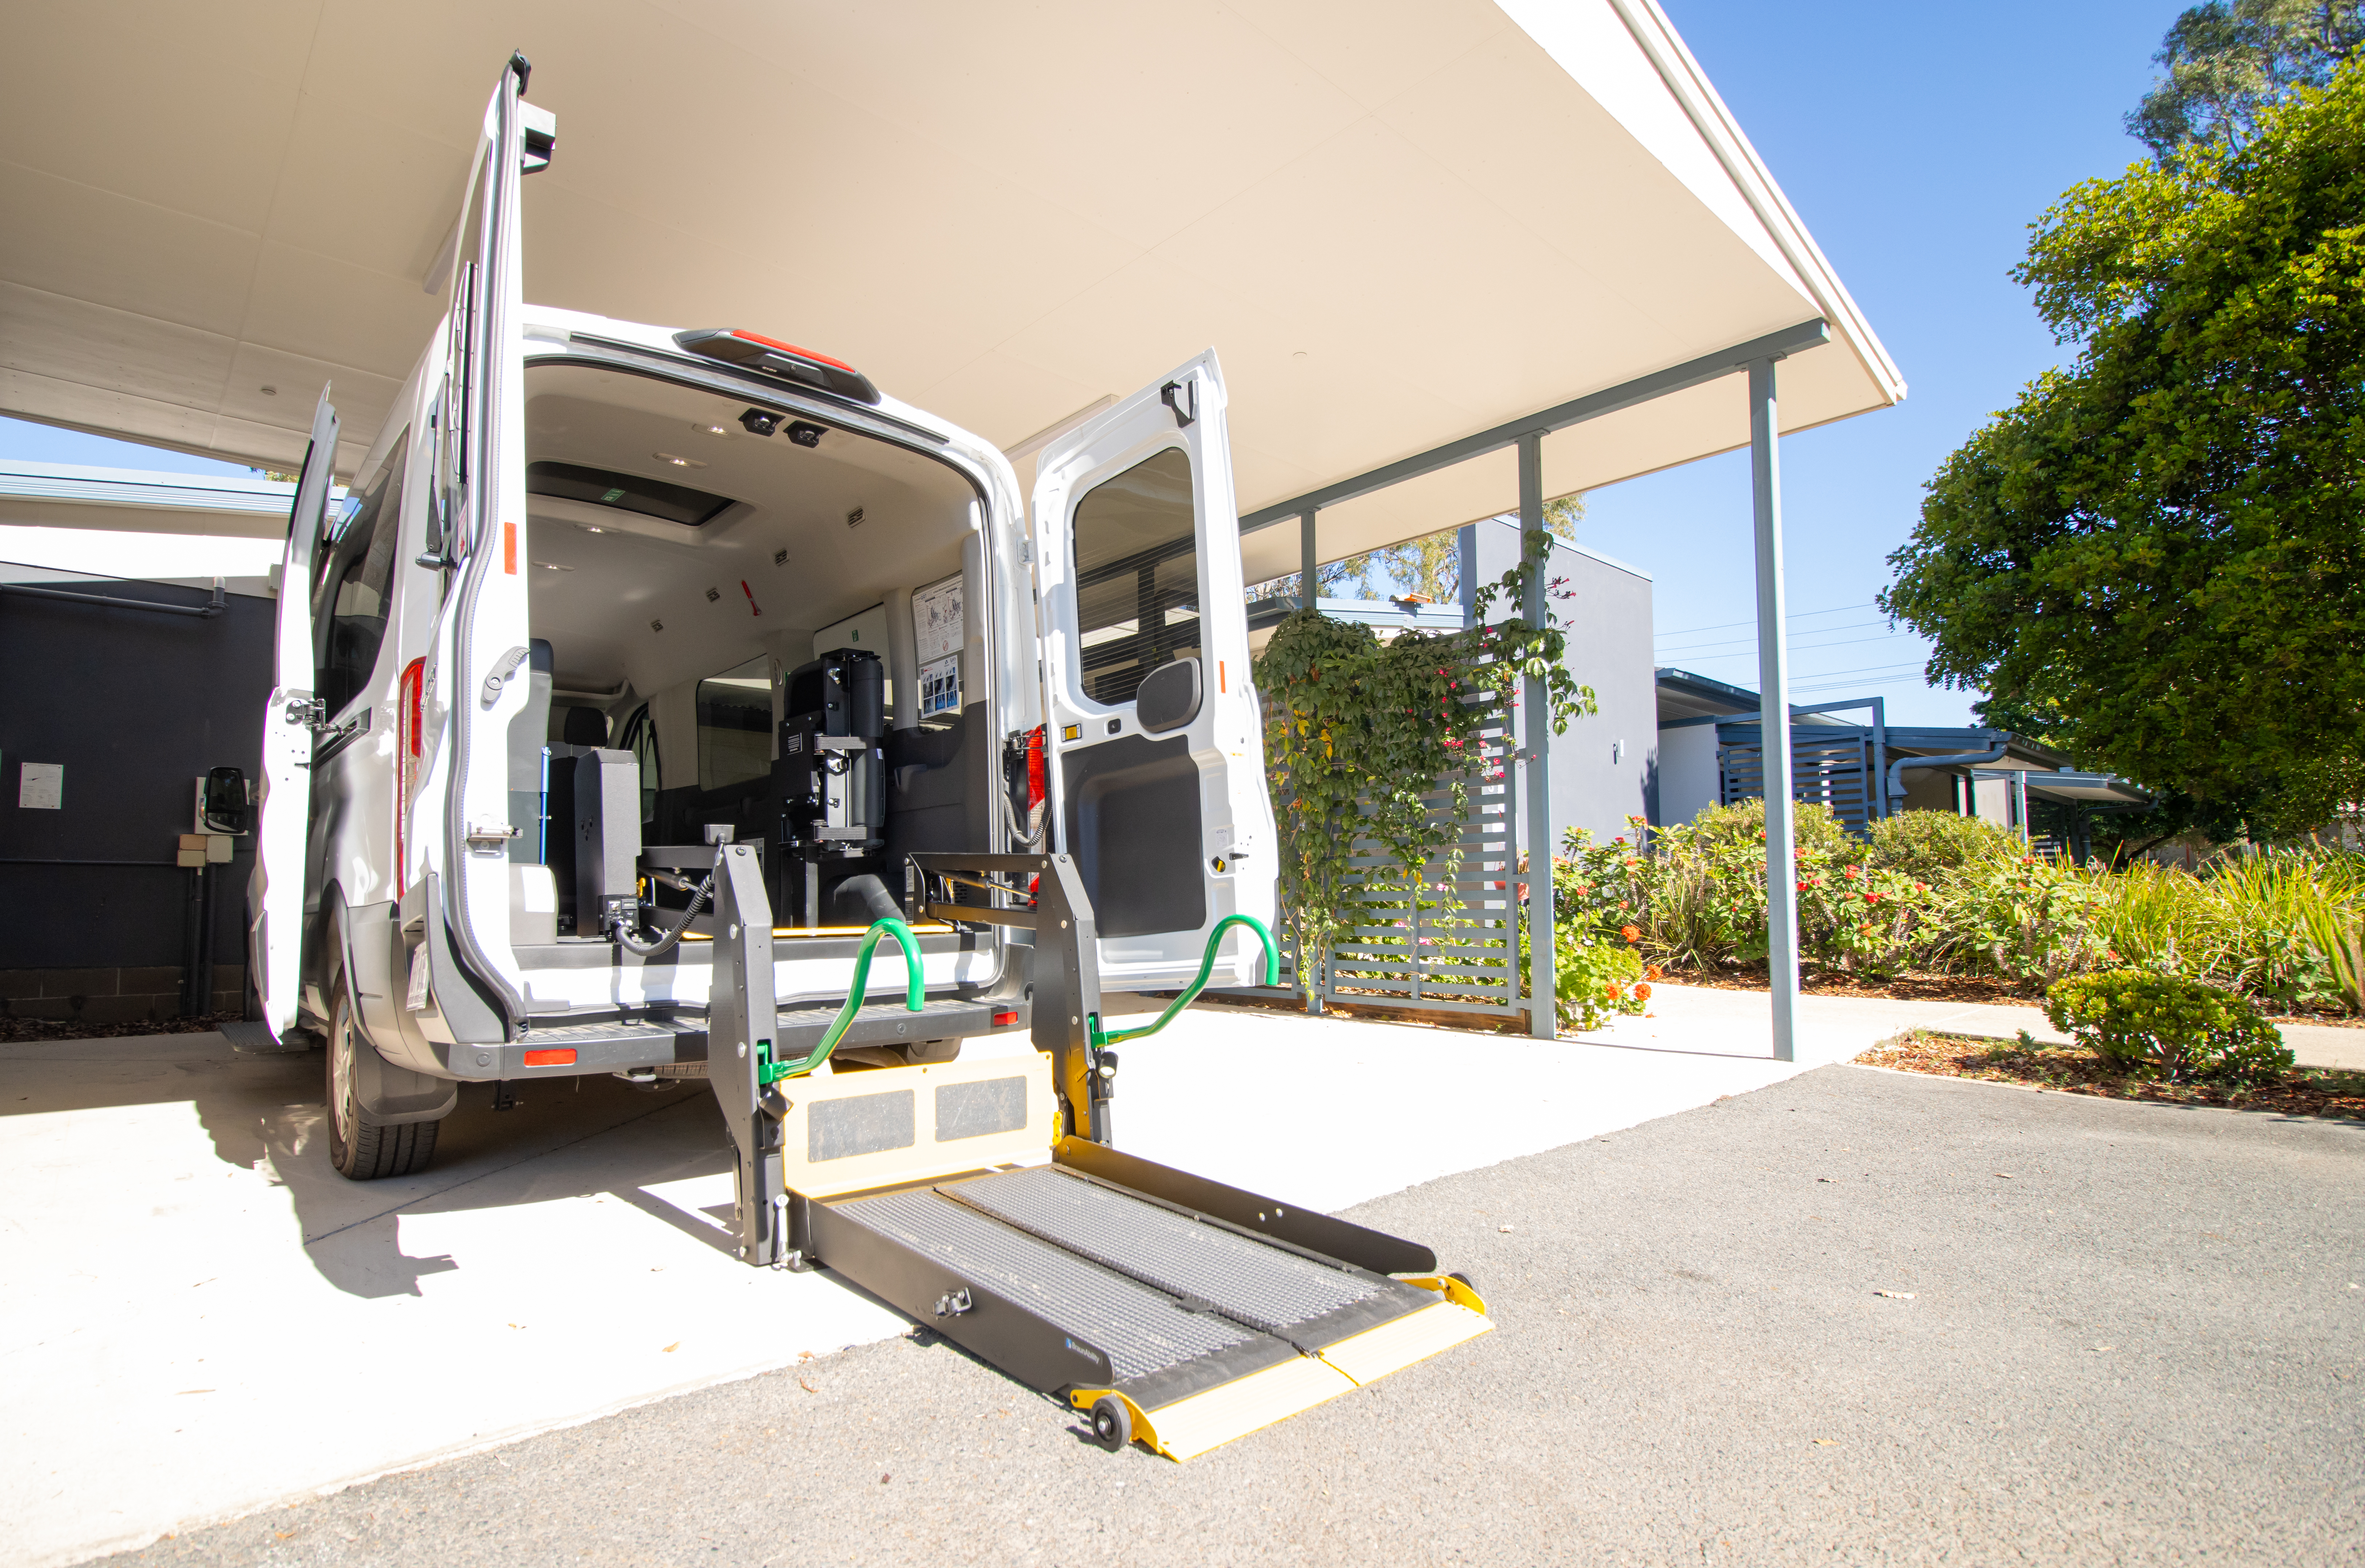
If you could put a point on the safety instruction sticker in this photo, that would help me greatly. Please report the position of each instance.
(940, 686)
(936, 621)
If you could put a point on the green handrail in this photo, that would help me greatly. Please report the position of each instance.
(768, 1071)
(1207, 967)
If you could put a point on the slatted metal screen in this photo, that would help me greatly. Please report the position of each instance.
(1449, 942)
(1829, 766)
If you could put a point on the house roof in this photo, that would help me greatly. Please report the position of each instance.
(1396, 226)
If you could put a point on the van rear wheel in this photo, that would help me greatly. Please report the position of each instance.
(361, 1148)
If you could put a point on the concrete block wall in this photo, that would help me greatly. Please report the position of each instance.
(112, 995)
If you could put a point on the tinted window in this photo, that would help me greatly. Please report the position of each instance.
(735, 726)
(1137, 575)
(349, 600)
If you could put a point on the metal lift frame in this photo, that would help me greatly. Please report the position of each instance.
(1060, 989)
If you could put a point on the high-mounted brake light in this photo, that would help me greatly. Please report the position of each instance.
(752, 352)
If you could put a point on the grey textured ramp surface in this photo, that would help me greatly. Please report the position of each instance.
(1142, 1331)
(1263, 1285)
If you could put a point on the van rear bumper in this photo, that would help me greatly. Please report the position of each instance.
(559, 1050)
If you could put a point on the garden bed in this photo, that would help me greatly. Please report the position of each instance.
(1939, 988)
(2304, 1092)
(25, 1031)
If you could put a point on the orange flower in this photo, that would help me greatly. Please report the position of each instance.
(1631, 933)
(1654, 972)
(1641, 991)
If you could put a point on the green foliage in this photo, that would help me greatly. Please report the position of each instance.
(2167, 1026)
(2230, 59)
(1596, 981)
(2159, 545)
(1359, 734)
(1931, 845)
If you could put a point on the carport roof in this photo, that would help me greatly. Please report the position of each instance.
(1398, 221)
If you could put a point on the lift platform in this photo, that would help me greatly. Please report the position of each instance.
(984, 1199)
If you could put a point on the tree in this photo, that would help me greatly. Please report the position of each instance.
(1432, 564)
(2160, 544)
(2228, 61)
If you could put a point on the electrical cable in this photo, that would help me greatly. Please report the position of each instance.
(620, 924)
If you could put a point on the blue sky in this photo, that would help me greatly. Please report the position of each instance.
(1917, 141)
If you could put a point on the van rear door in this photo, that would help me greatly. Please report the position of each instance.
(275, 942)
(1158, 778)
(483, 646)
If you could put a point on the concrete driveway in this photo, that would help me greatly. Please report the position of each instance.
(2117, 1333)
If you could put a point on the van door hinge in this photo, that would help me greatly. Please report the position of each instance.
(490, 838)
(307, 711)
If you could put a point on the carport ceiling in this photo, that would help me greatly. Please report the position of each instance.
(1398, 221)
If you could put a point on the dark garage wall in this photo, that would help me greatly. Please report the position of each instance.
(136, 705)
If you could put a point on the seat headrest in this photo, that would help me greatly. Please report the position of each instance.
(585, 726)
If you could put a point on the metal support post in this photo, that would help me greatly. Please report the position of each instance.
(1773, 713)
(1309, 562)
(743, 1014)
(1543, 981)
(1309, 585)
(1066, 982)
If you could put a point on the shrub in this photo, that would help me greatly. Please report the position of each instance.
(1812, 828)
(1933, 844)
(1596, 980)
(2167, 1026)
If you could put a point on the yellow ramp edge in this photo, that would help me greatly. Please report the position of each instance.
(1190, 1426)
(1416, 1337)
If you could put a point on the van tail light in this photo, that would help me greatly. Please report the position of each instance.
(409, 710)
(1038, 791)
(557, 1056)
(750, 351)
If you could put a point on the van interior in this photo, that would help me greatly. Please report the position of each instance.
(708, 576)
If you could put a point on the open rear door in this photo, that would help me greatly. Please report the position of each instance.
(1157, 782)
(276, 944)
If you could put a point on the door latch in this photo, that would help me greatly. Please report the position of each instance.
(952, 1303)
(1182, 396)
(490, 838)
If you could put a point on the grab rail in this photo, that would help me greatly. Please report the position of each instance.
(908, 945)
(1207, 967)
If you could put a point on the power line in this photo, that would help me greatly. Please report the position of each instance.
(1805, 648)
(1814, 631)
(1794, 615)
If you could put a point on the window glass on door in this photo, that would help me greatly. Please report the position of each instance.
(1136, 578)
(349, 599)
(735, 726)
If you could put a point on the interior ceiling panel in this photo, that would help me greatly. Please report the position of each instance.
(1397, 221)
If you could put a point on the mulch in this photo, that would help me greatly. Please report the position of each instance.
(1915, 987)
(25, 1031)
(2305, 1092)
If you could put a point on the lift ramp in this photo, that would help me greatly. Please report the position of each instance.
(1172, 1310)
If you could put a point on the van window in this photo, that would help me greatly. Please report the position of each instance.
(1137, 575)
(349, 601)
(735, 726)
(641, 740)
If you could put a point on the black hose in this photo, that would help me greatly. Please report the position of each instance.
(620, 927)
(876, 902)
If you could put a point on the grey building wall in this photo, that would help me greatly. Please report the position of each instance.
(1603, 768)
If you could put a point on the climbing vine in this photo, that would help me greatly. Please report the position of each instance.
(1359, 733)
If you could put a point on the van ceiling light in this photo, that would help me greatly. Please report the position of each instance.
(759, 422)
(722, 431)
(676, 462)
(805, 433)
(789, 363)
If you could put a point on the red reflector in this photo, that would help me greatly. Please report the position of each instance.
(1002, 1018)
(560, 1055)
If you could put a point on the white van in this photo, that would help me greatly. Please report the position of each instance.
(605, 595)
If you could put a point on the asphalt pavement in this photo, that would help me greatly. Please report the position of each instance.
(1855, 1316)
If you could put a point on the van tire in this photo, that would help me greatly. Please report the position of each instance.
(361, 1148)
